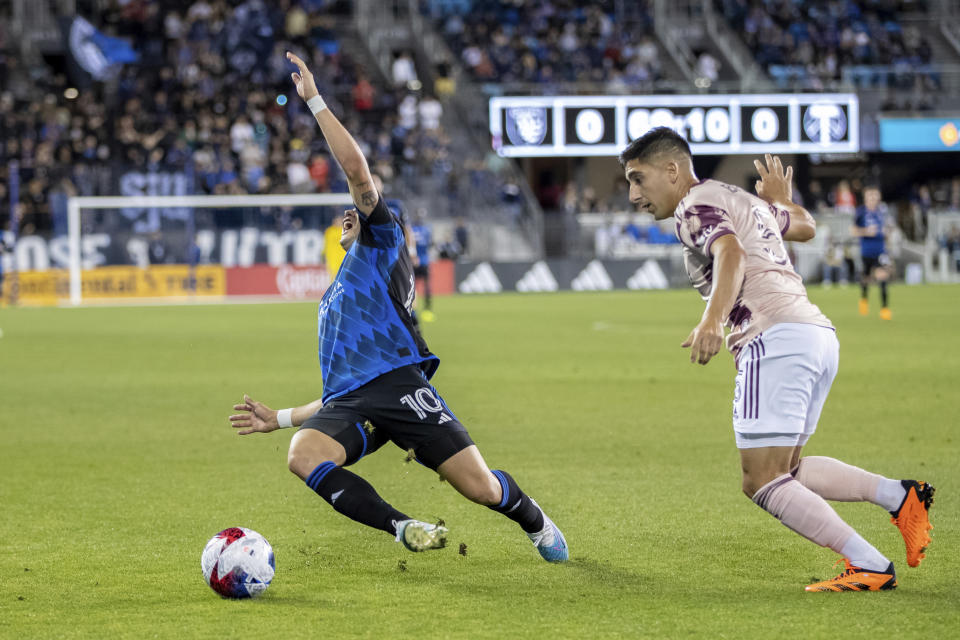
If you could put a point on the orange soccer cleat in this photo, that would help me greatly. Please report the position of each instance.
(913, 519)
(885, 314)
(864, 307)
(858, 579)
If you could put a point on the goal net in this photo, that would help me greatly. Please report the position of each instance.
(175, 248)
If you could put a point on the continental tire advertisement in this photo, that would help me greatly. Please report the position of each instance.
(116, 283)
(177, 282)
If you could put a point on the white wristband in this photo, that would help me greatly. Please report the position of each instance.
(285, 418)
(316, 104)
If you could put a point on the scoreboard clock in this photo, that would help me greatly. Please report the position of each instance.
(526, 126)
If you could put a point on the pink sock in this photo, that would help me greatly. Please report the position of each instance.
(804, 512)
(834, 480)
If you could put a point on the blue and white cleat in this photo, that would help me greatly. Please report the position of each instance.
(549, 541)
(421, 536)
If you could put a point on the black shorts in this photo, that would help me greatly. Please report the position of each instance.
(875, 262)
(422, 271)
(400, 407)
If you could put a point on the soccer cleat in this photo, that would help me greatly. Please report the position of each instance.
(420, 536)
(913, 519)
(858, 579)
(549, 541)
(885, 314)
(864, 307)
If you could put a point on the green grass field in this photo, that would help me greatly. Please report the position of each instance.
(117, 464)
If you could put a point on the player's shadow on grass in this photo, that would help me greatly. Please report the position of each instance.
(605, 573)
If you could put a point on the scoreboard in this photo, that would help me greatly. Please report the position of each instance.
(526, 126)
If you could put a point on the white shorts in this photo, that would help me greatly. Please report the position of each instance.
(783, 379)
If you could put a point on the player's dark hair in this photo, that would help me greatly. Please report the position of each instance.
(653, 143)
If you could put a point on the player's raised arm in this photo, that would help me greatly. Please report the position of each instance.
(776, 187)
(259, 418)
(342, 144)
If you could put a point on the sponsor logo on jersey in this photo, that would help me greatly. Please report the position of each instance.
(335, 292)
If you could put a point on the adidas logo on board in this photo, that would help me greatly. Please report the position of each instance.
(481, 280)
(593, 278)
(649, 276)
(538, 278)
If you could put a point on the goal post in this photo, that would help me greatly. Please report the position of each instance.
(78, 204)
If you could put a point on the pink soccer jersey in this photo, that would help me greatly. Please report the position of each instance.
(772, 291)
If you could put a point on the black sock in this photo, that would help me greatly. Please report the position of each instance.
(353, 496)
(883, 292)
(517, 505)
(863, 290)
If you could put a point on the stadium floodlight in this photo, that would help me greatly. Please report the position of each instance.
(76, 205)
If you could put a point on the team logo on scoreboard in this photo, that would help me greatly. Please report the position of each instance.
(526, 125)
(825, 122)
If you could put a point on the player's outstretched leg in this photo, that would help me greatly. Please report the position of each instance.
(908, 501)
(316, 458)
(805, 512)
(467, 472)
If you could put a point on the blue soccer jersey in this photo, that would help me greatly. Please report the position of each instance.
(423, 237)
(364, 321)
(871, 246)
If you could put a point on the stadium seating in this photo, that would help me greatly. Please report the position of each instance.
(822, 45)
(551, 43)
(211, 98)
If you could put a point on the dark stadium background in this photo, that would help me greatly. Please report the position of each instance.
(182, 97)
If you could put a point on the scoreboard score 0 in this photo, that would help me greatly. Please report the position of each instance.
(526, 126)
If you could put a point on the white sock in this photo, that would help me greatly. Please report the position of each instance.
(834, 480)
(890, 494)
(862, 554)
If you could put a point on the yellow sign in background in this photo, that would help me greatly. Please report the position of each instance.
(116, 283)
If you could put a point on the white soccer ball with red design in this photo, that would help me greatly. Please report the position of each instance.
(238, 563)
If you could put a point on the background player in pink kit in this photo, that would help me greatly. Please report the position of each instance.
(786, 352)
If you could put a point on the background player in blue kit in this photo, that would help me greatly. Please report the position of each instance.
(423, 238)
(376, 370)
(870, 226)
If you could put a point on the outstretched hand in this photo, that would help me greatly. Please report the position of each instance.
(705, 341)
(306, 86)
(259, 418)
(775, 185)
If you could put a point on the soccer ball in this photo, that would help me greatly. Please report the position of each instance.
(238, 563)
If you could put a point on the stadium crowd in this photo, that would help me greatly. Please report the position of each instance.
(552, 42)
(210, 98)
(815, 45)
